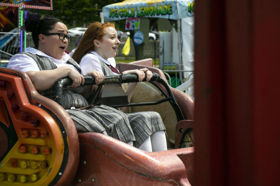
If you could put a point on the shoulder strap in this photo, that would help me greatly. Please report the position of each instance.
(74, 63)
(43, 62)
(106, 70)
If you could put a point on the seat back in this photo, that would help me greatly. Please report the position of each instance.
(146, 92)
(39, 141)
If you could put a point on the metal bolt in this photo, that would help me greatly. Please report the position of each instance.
(80, 180)
(60, 173)
(85, 162)
(92, 179)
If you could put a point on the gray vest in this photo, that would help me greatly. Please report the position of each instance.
(71, 96)
(106, 70)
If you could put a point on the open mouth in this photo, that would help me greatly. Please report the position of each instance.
(62, 47)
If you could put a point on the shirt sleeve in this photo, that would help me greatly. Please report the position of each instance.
(23, 63)
(90, 62)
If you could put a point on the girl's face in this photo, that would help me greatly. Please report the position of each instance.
(56, 44)
(109, 44)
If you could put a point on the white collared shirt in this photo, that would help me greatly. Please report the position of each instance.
(25, 63)
(90, 62)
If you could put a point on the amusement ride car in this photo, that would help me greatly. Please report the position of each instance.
(40, 144)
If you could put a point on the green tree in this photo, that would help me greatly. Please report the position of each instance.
(80, 13)
(76, 13)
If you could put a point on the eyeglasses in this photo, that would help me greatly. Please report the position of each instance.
(60, 35)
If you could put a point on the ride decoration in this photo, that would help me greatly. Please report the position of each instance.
(35, 144)
(8, 19)
(33, 4)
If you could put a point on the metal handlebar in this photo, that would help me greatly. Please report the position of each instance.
(90, 80)
(120, 78)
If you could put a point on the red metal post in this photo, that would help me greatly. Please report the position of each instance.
(237, 68)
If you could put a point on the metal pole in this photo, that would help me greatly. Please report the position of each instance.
(180, 49)
(102, 17)
(21, 34)
(25, 14)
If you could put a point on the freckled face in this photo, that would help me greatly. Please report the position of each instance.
(52, 45)
(109, 43)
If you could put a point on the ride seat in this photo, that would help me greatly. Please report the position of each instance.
(41, 146)
(147, 92)
(39, 141)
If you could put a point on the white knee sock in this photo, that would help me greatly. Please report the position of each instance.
(147, 145)
(158, 141)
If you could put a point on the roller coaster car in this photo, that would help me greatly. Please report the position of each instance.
(40, 144)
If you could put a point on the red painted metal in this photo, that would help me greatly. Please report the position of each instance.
(126, 165)
(237, 64)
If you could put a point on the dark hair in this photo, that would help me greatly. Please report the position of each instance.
(86, 45)
(37, 25)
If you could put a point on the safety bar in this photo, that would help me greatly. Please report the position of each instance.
(120, 78)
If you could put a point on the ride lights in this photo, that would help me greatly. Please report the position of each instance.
(10, 94)
(34, 165)
(34, 177)
(11, 177)
(25, 133)
(23, 149)
(2, 176)
(47, 151)
(43, 133)
(15, 107)
(3, 84)
(25, 116)
(23, 164)
(34, 134)
(14, 163)
(35, 150)
(22, 178)
(35, 122)
(44, 165)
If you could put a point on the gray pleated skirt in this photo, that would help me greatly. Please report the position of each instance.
(136, 127)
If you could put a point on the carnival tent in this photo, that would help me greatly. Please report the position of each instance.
(167, 9)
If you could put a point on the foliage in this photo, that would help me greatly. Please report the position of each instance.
(76, 13)
(81, 13)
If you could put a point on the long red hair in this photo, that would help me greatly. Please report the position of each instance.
(86, 45)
